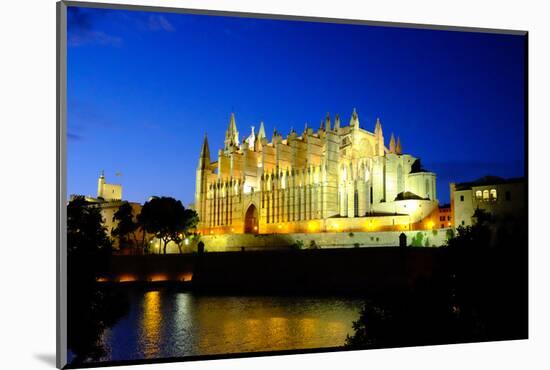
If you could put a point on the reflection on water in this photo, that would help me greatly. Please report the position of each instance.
(151, 320)
(172, 324)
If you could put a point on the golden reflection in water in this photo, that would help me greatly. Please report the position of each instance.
(150, 324)
(228, 329)
(308, 327)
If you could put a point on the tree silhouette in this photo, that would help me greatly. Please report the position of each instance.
(126, 226)
(90, 309)
(167, 219)
(477, 292)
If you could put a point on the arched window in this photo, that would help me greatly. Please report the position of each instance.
(485, 194)
(493, 194)
(479, 194)
(356, 204)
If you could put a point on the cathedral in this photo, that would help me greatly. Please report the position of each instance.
(338, 178)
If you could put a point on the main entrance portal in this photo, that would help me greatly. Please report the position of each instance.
(251, 220)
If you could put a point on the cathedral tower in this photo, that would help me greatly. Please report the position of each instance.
(201, 186)
(231, 135)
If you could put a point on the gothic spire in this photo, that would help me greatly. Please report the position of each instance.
(204, 159)
(378, 127)
(354, 121)
(231, 135)
(261, 131)
(327, 121)
(337, 122)
(392, 144)
(322, 126)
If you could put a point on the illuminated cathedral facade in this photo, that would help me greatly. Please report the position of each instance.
(337, 178)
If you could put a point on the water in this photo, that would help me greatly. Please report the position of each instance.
(167, 323)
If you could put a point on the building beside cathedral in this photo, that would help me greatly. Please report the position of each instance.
(333, 179)
(108, 200)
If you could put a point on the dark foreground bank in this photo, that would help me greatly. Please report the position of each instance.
(320, 271)
(300, 300)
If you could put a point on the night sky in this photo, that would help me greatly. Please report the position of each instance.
(144, 88)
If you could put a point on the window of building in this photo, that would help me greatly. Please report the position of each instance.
(493, 194)
(441, 218)
(508, 195)
(462, 198)
(356, 204)
(371, 195)
(462, 222)
(485, 194)
(442, 226)
(448, 218)
(479, 195)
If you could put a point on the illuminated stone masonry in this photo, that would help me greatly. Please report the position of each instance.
(336, 178)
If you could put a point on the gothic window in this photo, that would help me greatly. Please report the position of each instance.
(356, 204)
(493, 194)
(274, 205)
(345, 203)
(371, 200)
(340, 201)
(485, 194)
(282, 215)
(479, 194)
(267, 209)
(299, 204)
(288, 205)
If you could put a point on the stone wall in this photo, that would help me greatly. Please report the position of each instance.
(234, 242)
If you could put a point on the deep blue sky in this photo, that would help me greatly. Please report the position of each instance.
(143, 89)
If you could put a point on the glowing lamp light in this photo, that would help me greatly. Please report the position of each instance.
(159, 277)
(255, 228)
(186, 241)
(430, 224)
(232, 229)
(280, 226)
(448, 224)
(211, 231)
(126, 278)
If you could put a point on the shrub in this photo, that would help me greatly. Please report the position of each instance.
(313, 245)
(298, 245)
